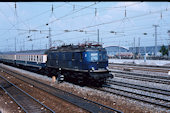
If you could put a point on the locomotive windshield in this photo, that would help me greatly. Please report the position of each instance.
(94, 57)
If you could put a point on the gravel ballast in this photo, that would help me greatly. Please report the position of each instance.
(123, 104)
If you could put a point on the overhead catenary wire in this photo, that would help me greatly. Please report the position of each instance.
(114, 21)
(70, 13)
(103, 25)
(106, 8)
(34, 17)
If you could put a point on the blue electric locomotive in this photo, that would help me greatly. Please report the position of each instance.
(81, 63)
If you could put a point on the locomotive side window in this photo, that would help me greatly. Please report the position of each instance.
(100, 57)
(63, 56)
(73, 56)
(81, 56)
(56, 56)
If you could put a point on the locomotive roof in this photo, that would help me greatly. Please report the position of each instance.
(77, 48)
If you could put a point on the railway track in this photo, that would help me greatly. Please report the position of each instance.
(162, 69)
(137, 96)
(140, 87)
(85, 104)
(142, 77)
(27, 103)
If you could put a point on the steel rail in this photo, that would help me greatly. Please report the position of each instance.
(143, 75)
(156, 66)
(140, 87)
(121, 93)
(83, 103)
(22, 99)
(154, 80)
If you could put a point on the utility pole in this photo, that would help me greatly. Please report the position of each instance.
(119, 50)
(134, 50)
(156, 38)
(50, 43)
(169, 44)
(23, 45)
(139, 46)
(98, 36)
(15, 45)
(32, 46)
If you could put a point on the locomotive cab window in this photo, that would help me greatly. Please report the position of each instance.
(100, 57)
(94, 57)
(105, 56)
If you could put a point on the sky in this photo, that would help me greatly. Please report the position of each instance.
(28, 25)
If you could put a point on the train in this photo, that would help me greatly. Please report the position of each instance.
(82, 64)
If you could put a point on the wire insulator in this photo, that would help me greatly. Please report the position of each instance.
(95, 11)
(52, 9)
(15, 5)
(125, 11)
(73, 7)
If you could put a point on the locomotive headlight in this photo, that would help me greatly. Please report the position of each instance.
(107, 68)
(92, 68)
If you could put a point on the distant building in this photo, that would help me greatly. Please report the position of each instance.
(115, 50)
(124, 52)
(149, 50)
(124, 55)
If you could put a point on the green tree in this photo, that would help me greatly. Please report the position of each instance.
(163, 50)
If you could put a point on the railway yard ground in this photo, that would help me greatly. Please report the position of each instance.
(147, 91)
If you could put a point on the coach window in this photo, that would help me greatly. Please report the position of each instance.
(42, 58)
(37, 58)
(34, 58)
(31, 57)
